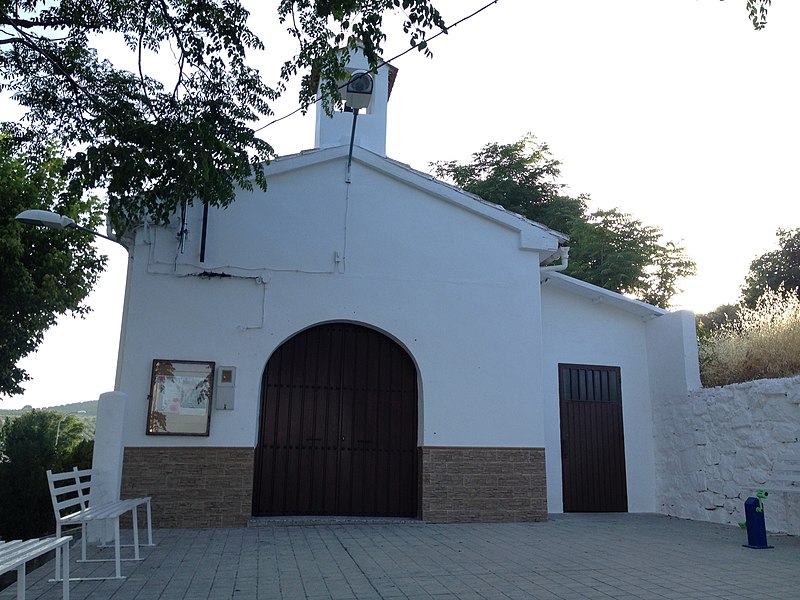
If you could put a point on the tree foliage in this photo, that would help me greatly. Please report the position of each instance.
(774, 270)
(758, 12)
(43, 273)
(521, 176)
(28, 449)
(616, 251)
(157, 140)
(608, 248)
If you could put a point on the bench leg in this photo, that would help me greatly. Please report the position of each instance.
(135, 533)
(58, 552)
(149, 525)
(116, 548)
(21, 582)
(65, 584)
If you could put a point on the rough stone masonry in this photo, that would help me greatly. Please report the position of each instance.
(720, 446)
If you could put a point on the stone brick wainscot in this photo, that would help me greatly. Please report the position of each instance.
(482, 484)
(192, 487)
(213, 487)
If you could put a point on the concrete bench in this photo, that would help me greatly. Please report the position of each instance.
(785, 476)
(72, 505)
(16, 554)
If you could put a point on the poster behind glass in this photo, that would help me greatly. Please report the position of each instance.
(180, 397)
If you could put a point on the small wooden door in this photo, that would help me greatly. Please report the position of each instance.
(338, 430)
(592, 442)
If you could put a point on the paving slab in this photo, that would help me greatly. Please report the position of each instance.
(575, 556)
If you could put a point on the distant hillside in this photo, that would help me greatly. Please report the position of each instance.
(89, 408)
(85, 411)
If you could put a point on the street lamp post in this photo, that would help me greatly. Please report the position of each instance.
(108, 444)
(51, 220)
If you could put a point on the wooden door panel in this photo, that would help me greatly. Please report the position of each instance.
(592, 439)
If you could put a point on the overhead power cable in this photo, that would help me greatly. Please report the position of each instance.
(382, 63)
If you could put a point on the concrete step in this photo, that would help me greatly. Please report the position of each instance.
(326, 521)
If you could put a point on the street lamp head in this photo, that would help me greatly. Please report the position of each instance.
(45, 218)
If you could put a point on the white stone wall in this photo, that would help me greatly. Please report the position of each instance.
(717, 448)
(579, 331)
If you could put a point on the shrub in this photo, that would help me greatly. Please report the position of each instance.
(757, 343)
(30, 445)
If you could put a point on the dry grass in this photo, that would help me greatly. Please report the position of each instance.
(759, 343)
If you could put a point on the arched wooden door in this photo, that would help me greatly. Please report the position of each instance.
(338, 426)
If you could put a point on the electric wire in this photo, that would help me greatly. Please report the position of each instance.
(382, 63)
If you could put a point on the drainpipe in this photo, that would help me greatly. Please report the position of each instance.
(564, 252)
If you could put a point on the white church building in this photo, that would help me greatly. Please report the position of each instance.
(363, 339)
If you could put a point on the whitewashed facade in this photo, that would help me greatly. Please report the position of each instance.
(455, 282)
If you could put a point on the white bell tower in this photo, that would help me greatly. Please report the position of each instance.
(371, 130)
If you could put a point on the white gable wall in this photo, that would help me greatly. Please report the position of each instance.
(455, 290)
(578, 331)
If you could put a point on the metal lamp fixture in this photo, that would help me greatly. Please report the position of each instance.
(51, 220)
(357, 94)
(45, 218)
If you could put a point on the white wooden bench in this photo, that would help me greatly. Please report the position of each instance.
(785, 475)
(16, 554)
(72, 505)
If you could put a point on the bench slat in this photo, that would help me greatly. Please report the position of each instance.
(69, 474)
(69, 504)
(18, 552)
(103, 511)
(63, 504)
(75, 488)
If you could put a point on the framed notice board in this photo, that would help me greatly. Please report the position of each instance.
(180, 397)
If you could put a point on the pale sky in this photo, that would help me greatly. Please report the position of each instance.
(676, 111)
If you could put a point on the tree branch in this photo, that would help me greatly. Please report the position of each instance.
(170, 21)
(18, 23)
(141, 71)
(30, 43)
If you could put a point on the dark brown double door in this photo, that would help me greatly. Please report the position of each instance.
(338, 428)
(592, 441)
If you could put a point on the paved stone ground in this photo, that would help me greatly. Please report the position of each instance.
(568, 557)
